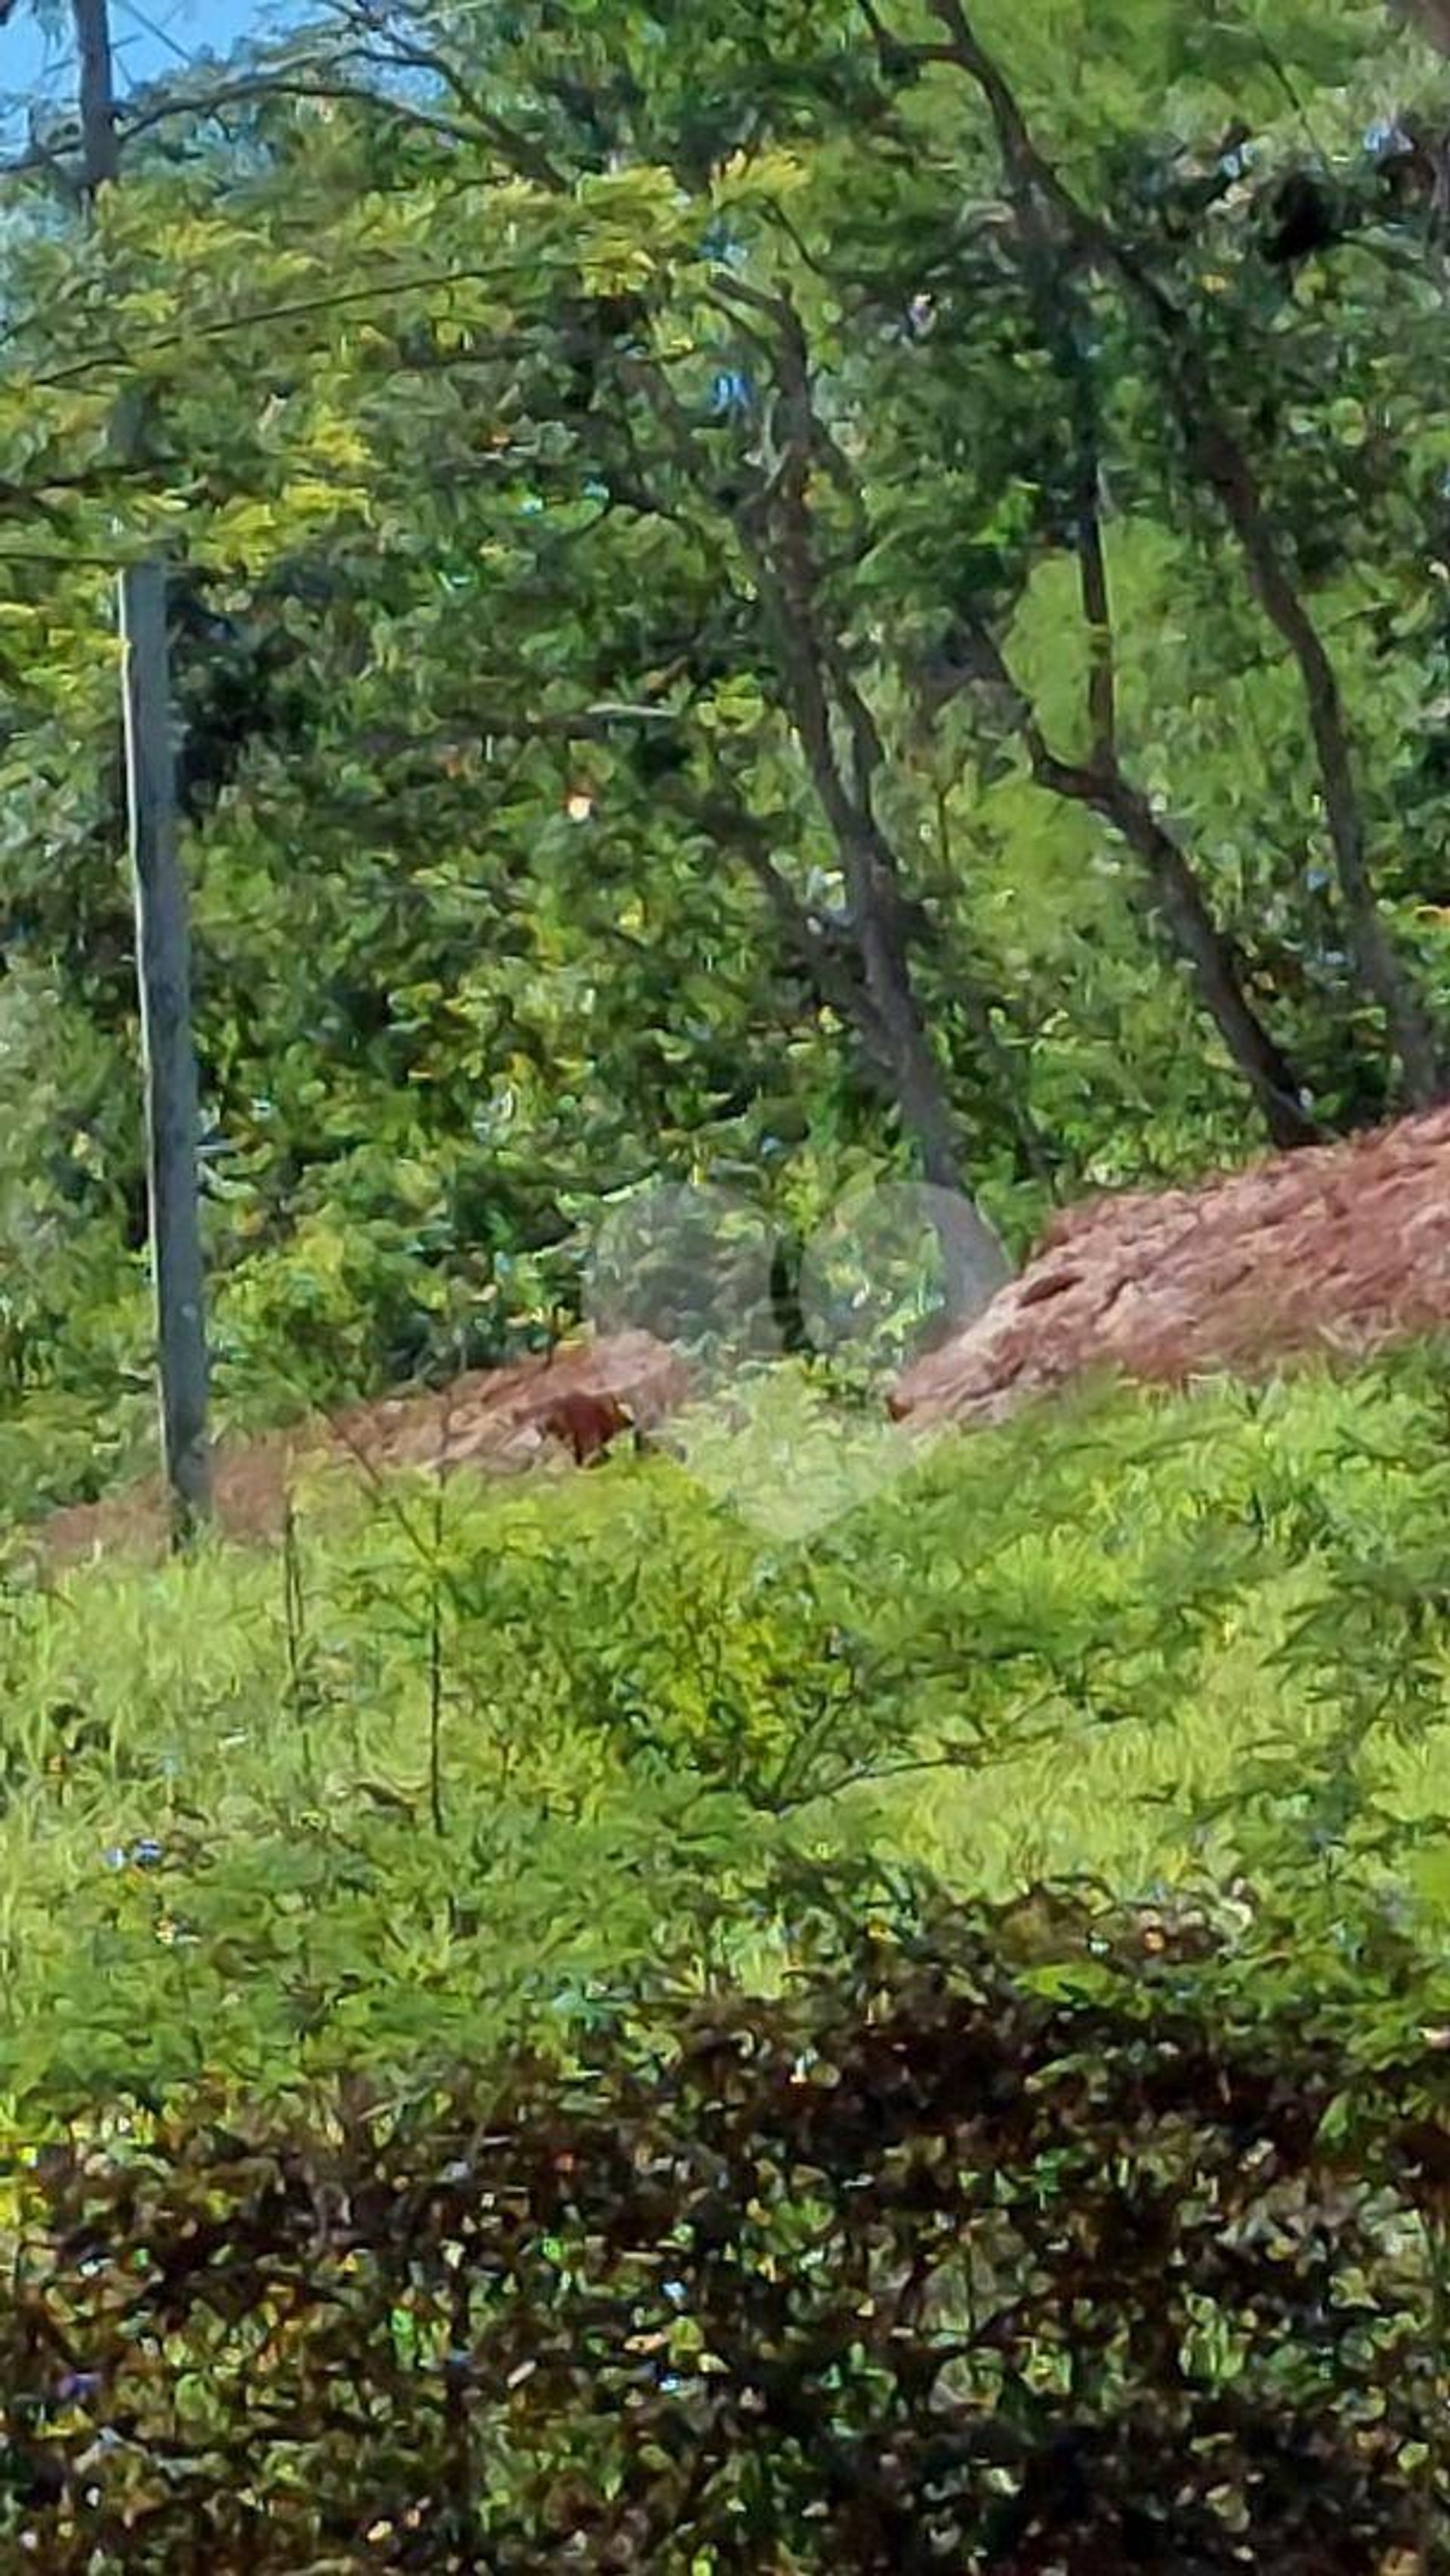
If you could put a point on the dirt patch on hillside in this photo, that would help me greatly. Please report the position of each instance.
(1342, 1248)
(570, 1403)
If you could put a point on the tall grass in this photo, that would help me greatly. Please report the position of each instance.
(448, 1766)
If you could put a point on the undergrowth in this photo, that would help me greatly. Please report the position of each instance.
(935, 2261)
(451, 1769)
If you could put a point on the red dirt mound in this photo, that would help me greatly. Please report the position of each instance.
(1344, 1248)
(572, 1401)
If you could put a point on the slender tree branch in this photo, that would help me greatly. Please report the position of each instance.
(826, 958)
(301, 309)
(719, 816)
(412, 54)
(1097, 610)
(513, 724)
(1223, 466)
(1176, 894)
(203, 104)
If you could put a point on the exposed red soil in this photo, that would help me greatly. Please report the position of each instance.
(571, 1402)
(1342, 1248)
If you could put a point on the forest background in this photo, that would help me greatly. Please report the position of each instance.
(781, 598)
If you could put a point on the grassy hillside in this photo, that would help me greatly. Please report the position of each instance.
(461, 1761)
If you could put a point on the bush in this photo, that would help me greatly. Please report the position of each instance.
(471, 1753)
(948, 2258)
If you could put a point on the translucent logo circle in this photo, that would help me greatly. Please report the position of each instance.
(793, 1441)
(892, 1266)
(691, 1264)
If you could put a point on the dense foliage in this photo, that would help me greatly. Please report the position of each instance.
(460, 1764)
(776, 594)
(748, 598)
(938, 2262)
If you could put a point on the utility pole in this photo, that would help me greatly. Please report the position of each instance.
(100, 146)
(163, 941)
(163, 961)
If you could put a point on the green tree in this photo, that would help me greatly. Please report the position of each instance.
(764, 597)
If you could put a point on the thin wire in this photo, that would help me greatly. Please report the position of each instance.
(162, 35)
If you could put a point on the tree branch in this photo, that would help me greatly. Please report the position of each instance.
(774, 524)
(301, 309)
(1223, 466)
(728, 824)
(528, 158)
(1097, 609)
(513, 724)
(1176, 894)
(264, 85)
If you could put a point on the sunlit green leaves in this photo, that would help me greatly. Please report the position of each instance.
(460, 424)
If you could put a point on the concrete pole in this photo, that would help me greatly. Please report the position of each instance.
(163, 940)
(163, 959)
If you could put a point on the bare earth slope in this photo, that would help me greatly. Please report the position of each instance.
(573, 1402)
(1344, 1247)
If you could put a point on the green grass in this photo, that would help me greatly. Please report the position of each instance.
(460, 1764)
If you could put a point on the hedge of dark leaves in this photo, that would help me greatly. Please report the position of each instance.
(932, 2264)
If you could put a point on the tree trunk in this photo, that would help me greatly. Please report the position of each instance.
(100, 146)
(974, 1260)
(1176, 891)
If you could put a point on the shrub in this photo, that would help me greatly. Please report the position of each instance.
(946, 2258)
(470, 1753)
